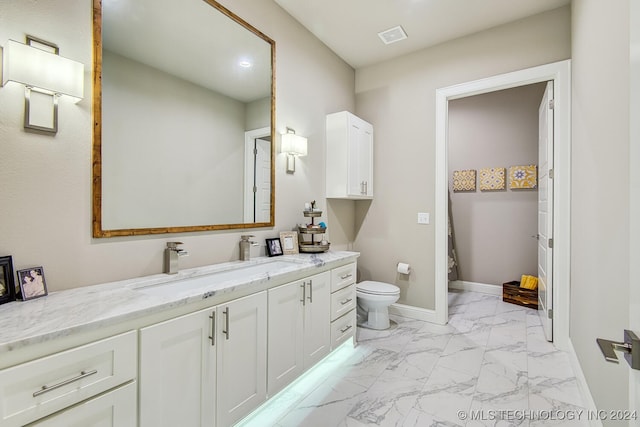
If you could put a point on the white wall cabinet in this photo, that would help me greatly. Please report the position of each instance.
(349, 171)
(299, 328)
(206, 367)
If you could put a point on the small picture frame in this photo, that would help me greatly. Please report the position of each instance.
(274, 248)
(7, 286)
(289, 241)
(32, 284)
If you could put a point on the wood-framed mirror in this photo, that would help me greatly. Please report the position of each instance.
(183, 117)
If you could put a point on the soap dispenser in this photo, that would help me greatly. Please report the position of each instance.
(245, 247)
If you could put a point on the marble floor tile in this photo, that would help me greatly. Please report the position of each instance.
(489, 366)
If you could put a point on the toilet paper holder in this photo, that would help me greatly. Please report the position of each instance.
(403, 268)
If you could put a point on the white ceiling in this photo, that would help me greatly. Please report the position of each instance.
(350, 27)
(172, 36)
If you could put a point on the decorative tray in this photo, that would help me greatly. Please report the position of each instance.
(308, 247)
(316, 229)
(312, 213)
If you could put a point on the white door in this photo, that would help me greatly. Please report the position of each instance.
(241, 341)
(545, 211)
(263, 180)
(634, 196)
(354, 180)
(257, 175)
(317, 318)
(286, 317)
(177, 372)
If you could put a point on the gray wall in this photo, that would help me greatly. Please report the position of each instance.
(494, 229)
(600, 192)
(398, 98)
(45, 214)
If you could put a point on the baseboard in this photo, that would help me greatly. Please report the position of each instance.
(413, 312)
(476, 287)
(587, 398)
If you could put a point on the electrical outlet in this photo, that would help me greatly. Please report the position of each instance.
(423, 217)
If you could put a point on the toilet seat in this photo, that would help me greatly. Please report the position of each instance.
(377, 288)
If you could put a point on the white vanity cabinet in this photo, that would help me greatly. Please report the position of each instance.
(343, 304)
(116, 408)
(178, 372)
(349, 170)
(206, 367)
(298, 328)
(241, 342)
(42, 387)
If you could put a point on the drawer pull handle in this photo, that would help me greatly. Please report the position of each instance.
(345, 329)
(48, 388)
(347, 301)
(346, 276)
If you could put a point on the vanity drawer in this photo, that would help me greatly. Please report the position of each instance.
(343, 301)
(41, 387)
(343, 329)
(343, 276)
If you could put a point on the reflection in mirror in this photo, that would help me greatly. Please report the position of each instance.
(183, 119)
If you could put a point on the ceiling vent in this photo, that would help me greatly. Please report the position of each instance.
(392, 35)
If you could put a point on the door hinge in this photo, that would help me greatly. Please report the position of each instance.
(255, 151)
(550, 313)
(551, 104)
(255, 189)
(550, 243)
(551, 173)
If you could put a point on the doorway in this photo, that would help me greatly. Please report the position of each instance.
(559, 73)
(257, 175)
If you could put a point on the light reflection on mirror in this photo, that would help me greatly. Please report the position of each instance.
(184, 119)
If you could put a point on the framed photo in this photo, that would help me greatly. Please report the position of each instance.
(289, 241)
(7, 286)
(274, 248)
(32, 284)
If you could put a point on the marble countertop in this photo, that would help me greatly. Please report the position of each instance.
(86, 308)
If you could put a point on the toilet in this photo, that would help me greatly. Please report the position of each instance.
(374, 299)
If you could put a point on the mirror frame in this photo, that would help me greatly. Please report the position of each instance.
(98, 231)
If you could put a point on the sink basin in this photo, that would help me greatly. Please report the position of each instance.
(210, 281)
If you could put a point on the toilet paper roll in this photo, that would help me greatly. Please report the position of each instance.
(404, 268)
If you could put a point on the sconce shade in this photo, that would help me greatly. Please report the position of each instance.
(37, 68)
(294, 144)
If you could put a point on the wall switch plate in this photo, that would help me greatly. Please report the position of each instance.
(423, 217)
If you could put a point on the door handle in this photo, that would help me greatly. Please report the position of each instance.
(304, 293)
(630, 348)
(311, 291)
(226, 318)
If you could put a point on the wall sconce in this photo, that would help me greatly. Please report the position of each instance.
(45, 75)
(294, 146)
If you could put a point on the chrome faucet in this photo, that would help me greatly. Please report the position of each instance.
(171, 255)
(245, 247)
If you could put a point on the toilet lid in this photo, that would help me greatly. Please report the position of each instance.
(377, 288)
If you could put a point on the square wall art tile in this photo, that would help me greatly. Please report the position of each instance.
(492, 179)
(523, 177)
(464, 180)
